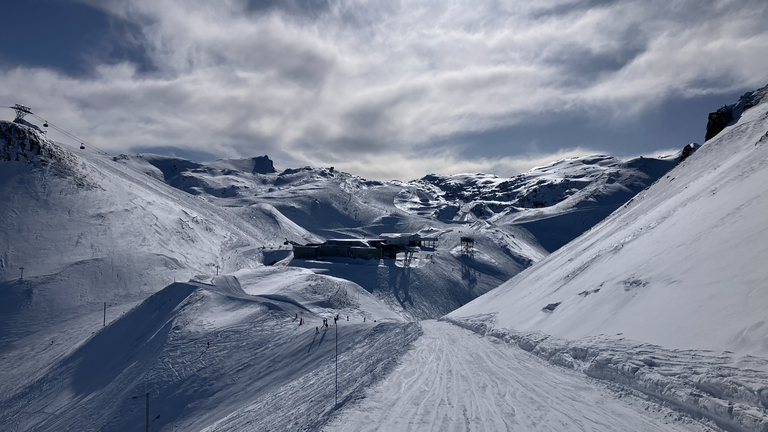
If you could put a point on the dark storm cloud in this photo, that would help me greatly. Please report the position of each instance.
(66, 36)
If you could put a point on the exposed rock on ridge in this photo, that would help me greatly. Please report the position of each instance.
(728, 114)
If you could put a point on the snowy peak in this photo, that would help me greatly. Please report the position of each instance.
(556, 202)
(541, 186)
(24, 144)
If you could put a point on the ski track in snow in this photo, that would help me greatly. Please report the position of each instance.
(455, 380)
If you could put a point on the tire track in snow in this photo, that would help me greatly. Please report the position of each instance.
(455, 380)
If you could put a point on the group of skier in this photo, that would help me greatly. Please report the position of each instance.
(336, 319)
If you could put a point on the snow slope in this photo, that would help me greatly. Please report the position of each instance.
(146, 234)
(329, 204)
(682, 265)
(213, 357)
(88, 229)
(454, 380)
(668, 294)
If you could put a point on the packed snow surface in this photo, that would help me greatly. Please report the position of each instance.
(454, 380)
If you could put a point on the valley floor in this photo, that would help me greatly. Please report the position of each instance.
(455, 380)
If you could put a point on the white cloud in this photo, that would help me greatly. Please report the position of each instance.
(413, 166)
(361, 83)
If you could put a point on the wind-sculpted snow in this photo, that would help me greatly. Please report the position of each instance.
(728, 389)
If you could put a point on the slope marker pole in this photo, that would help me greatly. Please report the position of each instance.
(337, 364)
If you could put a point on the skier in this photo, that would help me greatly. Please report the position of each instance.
(317, 330)
(209, 344)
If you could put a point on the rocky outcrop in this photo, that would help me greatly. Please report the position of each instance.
(718, 120)
(728, 114)
(687, 151)
(21, 143)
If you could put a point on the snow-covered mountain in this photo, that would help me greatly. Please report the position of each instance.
(146, 235)
(680, 267)
(556, 202)
(91, 229)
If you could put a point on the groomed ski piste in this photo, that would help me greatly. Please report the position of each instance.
(155, 278)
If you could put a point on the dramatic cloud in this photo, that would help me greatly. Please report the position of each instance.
(391, 89)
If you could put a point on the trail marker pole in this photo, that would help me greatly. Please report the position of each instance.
(337, 364)
(136, 397)
(217, 269)
(22, 273)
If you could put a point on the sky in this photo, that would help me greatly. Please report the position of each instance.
(384, 89)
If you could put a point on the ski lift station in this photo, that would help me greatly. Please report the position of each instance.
(388, 245)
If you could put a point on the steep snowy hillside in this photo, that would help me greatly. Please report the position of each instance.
(682, 267)
(86, 230)
(226, 356)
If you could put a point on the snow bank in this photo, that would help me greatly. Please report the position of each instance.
(732, 391)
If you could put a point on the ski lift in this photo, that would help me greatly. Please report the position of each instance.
(82, 146)
(45, 124)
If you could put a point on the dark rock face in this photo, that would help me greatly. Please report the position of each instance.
(718, 120)
(25, 144)
(264, 165)
(687, 151)
(721, 118)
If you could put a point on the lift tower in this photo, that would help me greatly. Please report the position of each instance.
(21, 111)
